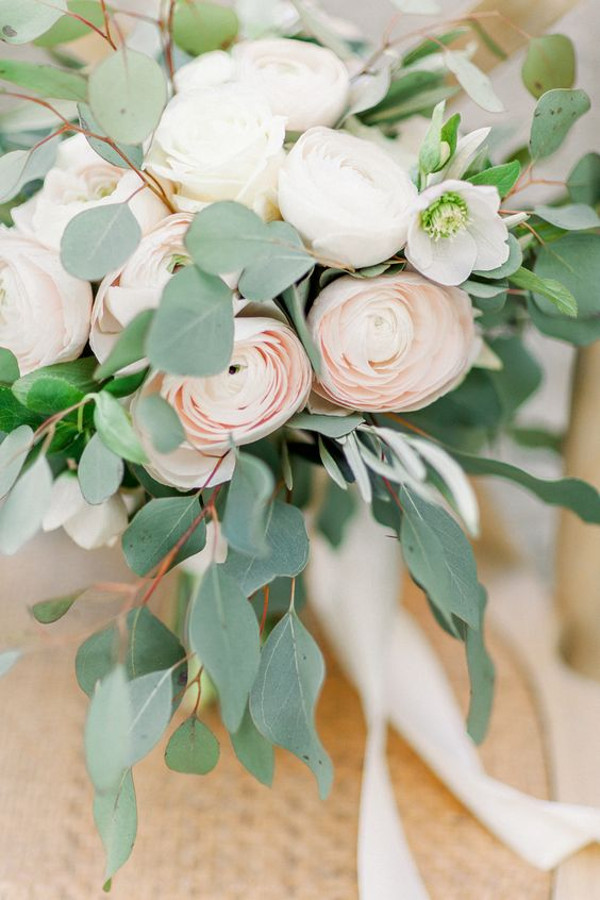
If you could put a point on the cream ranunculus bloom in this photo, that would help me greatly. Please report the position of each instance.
(81, 180)
(392, 343)
(44, 311)
(267, 382)
(347, 197)
(219, 143)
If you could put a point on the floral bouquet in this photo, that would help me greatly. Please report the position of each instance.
(241, 249)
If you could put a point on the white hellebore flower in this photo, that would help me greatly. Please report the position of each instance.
(89, 526)
(347, 197)
(82, 180)
(219, 143)
(456, 228)
(44, 311)
(267, 382)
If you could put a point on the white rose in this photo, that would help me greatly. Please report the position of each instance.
(82, 180)
(220, 143)
(89, 526)
(307, 84)
(347, 197)
(44, 311)
(267, 382)
(397, 342)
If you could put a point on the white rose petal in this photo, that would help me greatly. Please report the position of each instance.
(392, 343)
(220, 143)
(44, 311)
(347, 197)
(82, 180)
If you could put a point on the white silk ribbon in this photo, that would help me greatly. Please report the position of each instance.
(400, 680)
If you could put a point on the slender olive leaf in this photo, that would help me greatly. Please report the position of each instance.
(14, 450)
(107, 731)
(331, 466)
(161, 422)
(156, 530)
(418, 7)
(288, 545)
(487, 40)
(549, 64)
(193, 329)
(329, 426)
(52, 389)
(99, 240)
(285, 693)
(114, 427)
(554, 116)
(503, 177)
(244, 523)
(199, 27)
(440, 558)
(47, 81)
(24, 508)
(100, 471)
(512, 264)
(8, 658)
(584, 180)
(133, 153)
(115, 815)
(226, 237)
(481, 677)
(370, 89)
(429, 47)
(130, 346)
(127, 94)
(126, 385)
(473, 81)
(192, 749)
(69, 28)
(571, 493)
(20, 167)
(24, 20)
(223, 633)
(151, 647)
(254, 752)
(400, 90)
(430, 155)
(421, 102)
(553, 290)
(9, 366)
(150, 703)
(286, 264)
(49, 611)
(317, 24)
(294, 300)
(574, 217)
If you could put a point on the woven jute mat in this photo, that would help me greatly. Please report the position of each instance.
(225, 837)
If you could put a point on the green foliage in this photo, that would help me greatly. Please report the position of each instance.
(555, 114)
(114, 427)
(429, 46)
(161, 422)
(431, 157)
(19, 168)
(107, 731)
(244, 523)
(130, 346)
(481, 677)
(473, 81)
(328, 426)
(99, 240)
(115, 815)
(584, 180)
(254, 752)
(192, 330)
(46, 81)
(150, 703)
(199, 27)
(127, 94)
(223, 633)
(25, 20)
(520, 375)
(551, 288)
(8, 658)
(192, 749)
(133, 153)
(69, 28)
(157, 529)
(503, 177)
(25, 506)
(100, 471)
(573, 217)
(9, 366)
(549, 64)
(49, 611)
(294, 304)
(336, 511)
(14, 450)
(409, 88)
(52, 389)
(13, 413)
(512, 264)
(285, 694)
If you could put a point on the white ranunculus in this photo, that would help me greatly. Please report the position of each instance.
(44, 311)
(89, 526)
(219, 143)
(82, 180)
(392, 343)
(307, 84)
(456, 228)
(207, 70)
(266, 383)
(347, 197)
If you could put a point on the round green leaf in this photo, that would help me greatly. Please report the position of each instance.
(584, 180)
(25, 20)
(99, 240)
(114, 427)
(554, 116)
(100, 472)
(127, 94)
(13, 452)
(549, 64)
(161, 422)
(199, 27)
(9, 366)
(193, 749)
(69, 28)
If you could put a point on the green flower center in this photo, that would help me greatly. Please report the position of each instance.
(177, 262)
(446, 217)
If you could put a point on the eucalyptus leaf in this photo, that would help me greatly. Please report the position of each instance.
(69, 28)
(20, 167)
(9, 366)
(244, 523)
(503, 177)
(574, 217)
(223, 633)
(481, 678)
(107, 732)
(47, 81)
(512, 264)
(100, 471)
(49, 611)
(99, 240)
(329, 426)
(130, 346)
(24, 20)
(8, 658)
(549, 64)
(475, 82)
(133, 153)
(285, 693)
(294, 301)
(287, 263)
(192, 749)
(199, 27)
(554, 116)
(150, 704)
(159, 419)
(157, 529)
(115, 815)
(25, 506)
(584, 180)
(14, 450)
(114, 427)
(253, 751)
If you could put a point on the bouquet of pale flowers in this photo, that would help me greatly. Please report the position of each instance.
(245, 251)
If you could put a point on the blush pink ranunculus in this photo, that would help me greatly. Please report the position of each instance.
(392, 343)
(268, 380)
